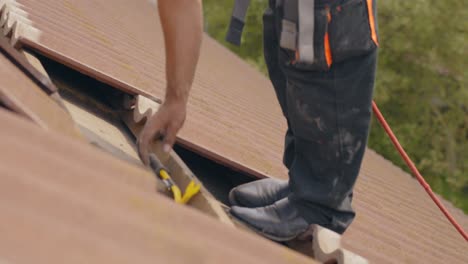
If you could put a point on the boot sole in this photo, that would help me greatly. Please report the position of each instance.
(260, 232)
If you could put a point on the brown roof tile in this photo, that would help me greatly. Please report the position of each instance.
(19, 93)
(397, 222)
(66, 202)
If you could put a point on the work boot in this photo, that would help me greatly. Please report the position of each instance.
(279, 221)
(259, 193)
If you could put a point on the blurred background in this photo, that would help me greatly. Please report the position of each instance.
(421, 83)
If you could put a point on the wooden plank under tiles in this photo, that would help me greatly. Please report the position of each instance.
(82, 206)
(105, 133)
(180, 173)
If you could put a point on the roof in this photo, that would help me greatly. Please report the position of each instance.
(72, 203)
(233, 114)
(234, 119)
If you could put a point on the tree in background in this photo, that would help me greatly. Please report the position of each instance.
(421, 83)
(422, 89)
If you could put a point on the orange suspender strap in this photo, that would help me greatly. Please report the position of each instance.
(328, 55)
(326, 42)
(372, 21)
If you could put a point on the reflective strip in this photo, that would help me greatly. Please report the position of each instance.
(236, 26)
(370, 11)
(288, 39)
(306, 11)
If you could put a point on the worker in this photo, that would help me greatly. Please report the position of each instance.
(325, 94)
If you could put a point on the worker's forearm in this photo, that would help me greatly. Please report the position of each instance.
(182, 25)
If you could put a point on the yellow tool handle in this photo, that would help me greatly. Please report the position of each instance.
(174, 188)
(191, 190)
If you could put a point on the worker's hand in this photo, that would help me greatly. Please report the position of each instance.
(166, 122)
(182, 25)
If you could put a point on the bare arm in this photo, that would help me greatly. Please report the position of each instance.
(182, 24)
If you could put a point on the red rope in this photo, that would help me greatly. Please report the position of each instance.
(415, 171)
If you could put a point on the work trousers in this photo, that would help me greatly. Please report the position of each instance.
(328, 113)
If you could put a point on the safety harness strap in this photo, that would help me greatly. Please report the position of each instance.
(236, 26)
(296, 14)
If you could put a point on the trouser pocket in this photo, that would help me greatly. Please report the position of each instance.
(352, 29)
(321, 59)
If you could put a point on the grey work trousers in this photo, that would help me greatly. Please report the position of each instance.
(328, 113)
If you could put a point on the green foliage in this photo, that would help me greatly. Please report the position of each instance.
(217, 16)
(421, 88)
(421, 83)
